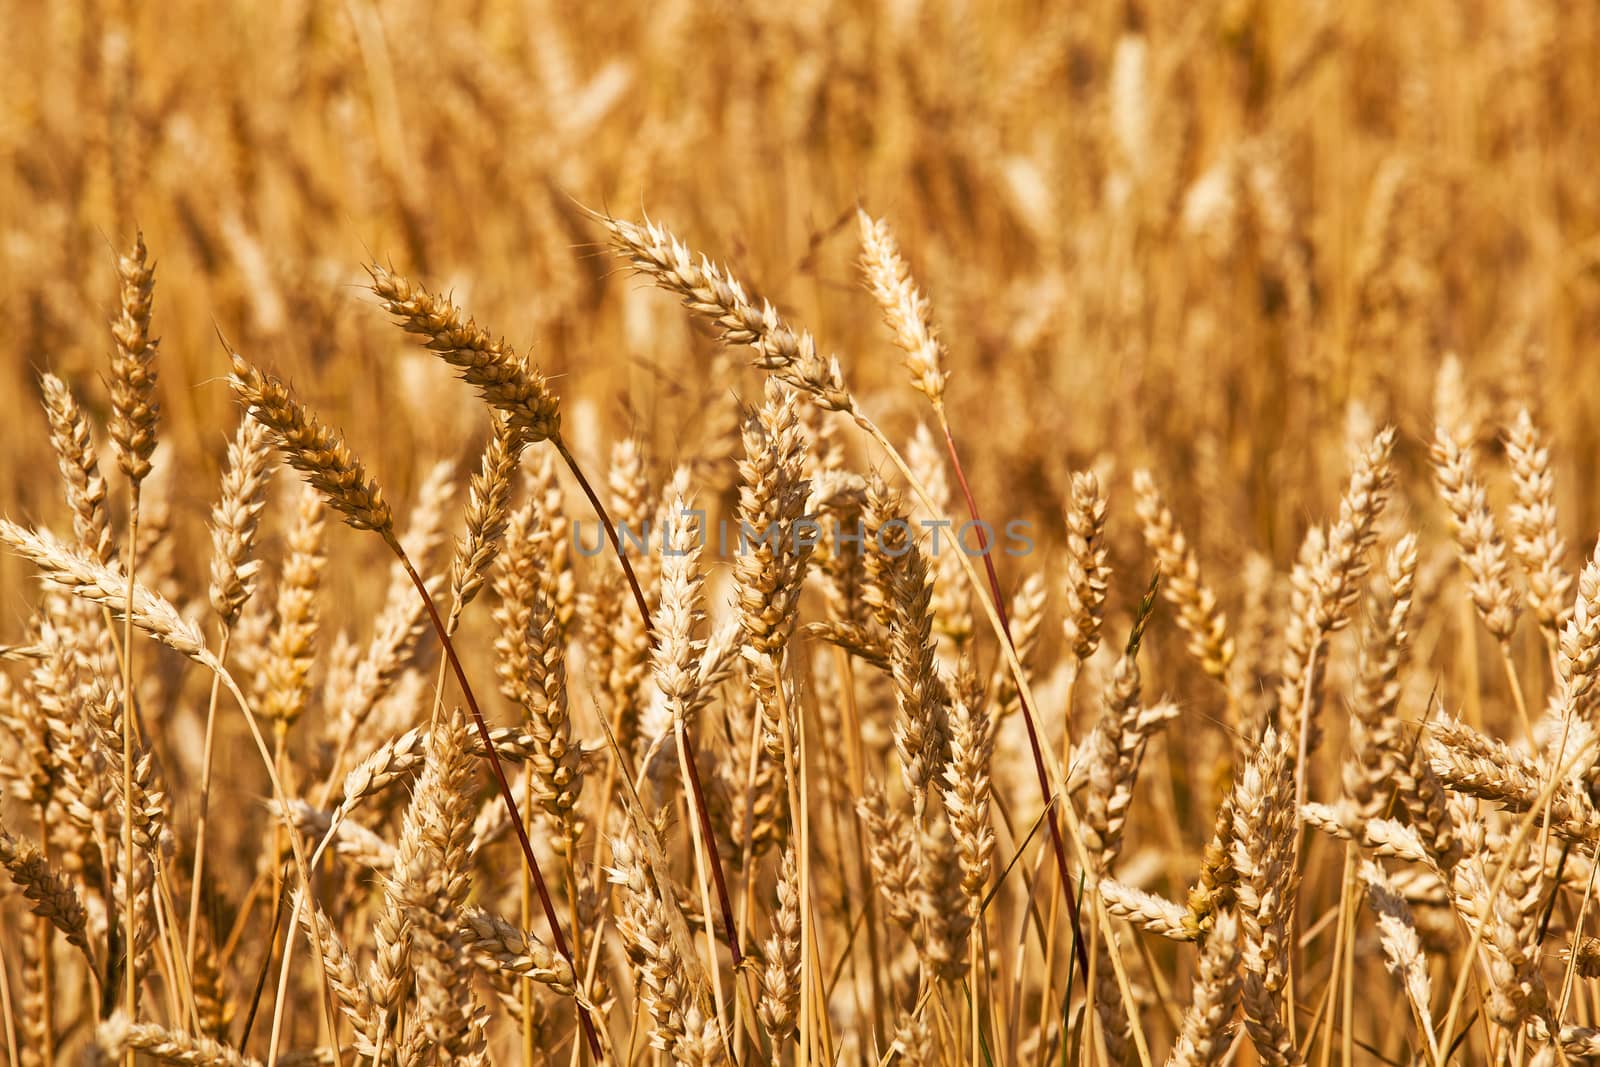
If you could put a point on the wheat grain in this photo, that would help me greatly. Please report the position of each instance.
(1535, 537)
(1402, 948)
(515, 951)
(780, 979)
(502, 377)
(652, 947)
(708, 291)
(286, 682)
(52, 895)
(1482, 551)
(313, 449)
(1182, 585)
(133, 378)
(905, 309)
(234, 521)
(118, 1035)
(487, 509)
(1375, 744)
(1087, 571)
(774, 548)
(1207, 1031)
(75, 455)
(103, 585)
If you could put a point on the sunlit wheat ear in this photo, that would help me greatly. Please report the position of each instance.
(291, 650)
(904, 591)
(946, 920)
(612, 631)
(1516, 984)
(104, 585)
(30, 775)
(316, 451)
(1207, 1032)
(117, 1035)
(1483, 553)
(1117, 750)
(557, 778)
(49, 893)
(1263, 840)
(915, 1041)
(502, 377)
(1402, 948)
(1181, 582)
(512, 950)
(780, 978)
(488, 507)
(968, 793)
(352, 991)
(1351, 538)
(1149, 912)
(1535, 534)
(133, 377)
(1324, 586)
(80, 468)
(146, 798)
(710, 292)
(680, 613)
(428, 887)
(904, 308)
(388, 763)
(1375, 747)
(235, 520)
(64, 763)
(517, 587)
(892, 854)
(1479, 765)
(1088, 572)
(702, 1044)
(1420, 790)
(1027, 620)
(658, 966)
(1578, 648)
(773, 552)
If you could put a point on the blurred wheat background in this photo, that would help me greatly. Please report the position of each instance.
(1224, 243)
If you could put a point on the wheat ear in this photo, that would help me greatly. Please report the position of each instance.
(133, 377)
(80, 468)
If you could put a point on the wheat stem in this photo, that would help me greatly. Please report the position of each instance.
(131, 993)
(208, 752)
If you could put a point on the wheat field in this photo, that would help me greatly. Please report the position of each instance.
(900, 532)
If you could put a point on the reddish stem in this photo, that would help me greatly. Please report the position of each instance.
(702, 813)
(611, 532)
(556, 935)
(1027, 712)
